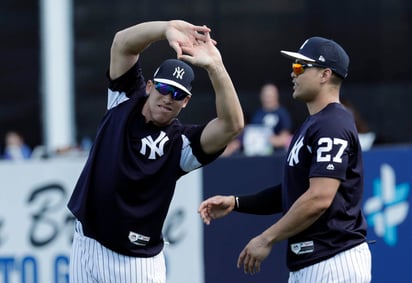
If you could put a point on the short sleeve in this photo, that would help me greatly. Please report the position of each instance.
(129, 83)
(193, 133)
(331, 143)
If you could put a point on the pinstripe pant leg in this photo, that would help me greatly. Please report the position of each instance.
(117, 268)
(91, 262)
(80, 271)
(351, 266)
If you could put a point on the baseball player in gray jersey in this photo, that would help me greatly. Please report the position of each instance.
(140, 151)
(321, 191)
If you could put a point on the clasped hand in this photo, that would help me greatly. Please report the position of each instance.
(193, 43)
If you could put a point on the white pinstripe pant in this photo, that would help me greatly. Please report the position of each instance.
(90, 262)
(351, 266)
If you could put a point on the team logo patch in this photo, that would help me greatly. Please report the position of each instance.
(330, 167)
(138, 239)
(302, 248)
(156, 146)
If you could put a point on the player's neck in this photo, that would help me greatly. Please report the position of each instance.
(319, 104)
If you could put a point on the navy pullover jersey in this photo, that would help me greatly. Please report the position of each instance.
(124, 191)
(326, 145)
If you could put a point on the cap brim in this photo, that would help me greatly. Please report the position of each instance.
(173, 83)
(296, 55)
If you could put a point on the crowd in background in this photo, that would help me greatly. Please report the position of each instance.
(268, 131)
(15, 148)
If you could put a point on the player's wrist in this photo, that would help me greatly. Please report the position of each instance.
(235, 205)
(215, 69)
(268, 239)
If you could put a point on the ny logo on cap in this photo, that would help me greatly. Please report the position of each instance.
(179, 72)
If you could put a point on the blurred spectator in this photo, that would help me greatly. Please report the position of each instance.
(269, 129)
(15, 148)
(70, 151)
(273, 116)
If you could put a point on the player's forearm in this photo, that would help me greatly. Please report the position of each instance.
(228, 108)
(130, 42)
(265, 202)
(303, 213)
(135, 39)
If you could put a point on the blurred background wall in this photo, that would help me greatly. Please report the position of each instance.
(250, 34)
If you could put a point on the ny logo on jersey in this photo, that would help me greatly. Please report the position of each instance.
(156, 146)
(293, 157)
(179, 72)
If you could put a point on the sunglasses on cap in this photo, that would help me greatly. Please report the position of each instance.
(299, 68)
(165, 89)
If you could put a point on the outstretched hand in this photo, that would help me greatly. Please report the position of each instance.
(216, 207)
(254, 254)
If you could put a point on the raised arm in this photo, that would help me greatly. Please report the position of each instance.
(129, 43)
(229, 121)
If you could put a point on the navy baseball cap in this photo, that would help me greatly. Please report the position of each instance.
(324, 52)
(176, 73)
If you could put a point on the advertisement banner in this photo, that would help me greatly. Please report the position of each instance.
(388, 181)
(36, 228)
(35, 225)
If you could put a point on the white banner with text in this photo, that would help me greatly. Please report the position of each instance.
(36, 228)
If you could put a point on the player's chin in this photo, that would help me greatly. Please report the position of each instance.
(295, 95)
(298, 96)
(163, 119)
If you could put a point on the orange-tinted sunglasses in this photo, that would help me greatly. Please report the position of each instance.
(299, 68)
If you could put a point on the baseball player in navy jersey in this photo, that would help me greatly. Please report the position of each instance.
(141, 149)
(321, 191)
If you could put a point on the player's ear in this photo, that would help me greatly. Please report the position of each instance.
(186, 101)
(326, 74)
(149, 86)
